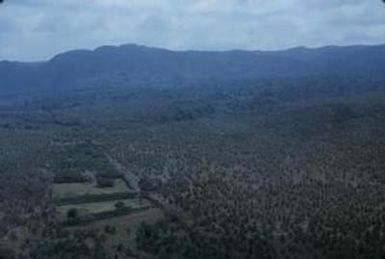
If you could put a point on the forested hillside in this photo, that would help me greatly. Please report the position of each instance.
(132, 66)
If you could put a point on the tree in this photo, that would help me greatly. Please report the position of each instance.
(119, 205)
(104, 182)
(72, 213)
(109, 229)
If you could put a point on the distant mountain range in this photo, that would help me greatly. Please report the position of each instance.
(139, 66)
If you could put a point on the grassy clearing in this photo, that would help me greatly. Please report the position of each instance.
(98, 207)
(126, 227)
(70, 190)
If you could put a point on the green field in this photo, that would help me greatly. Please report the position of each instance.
(98, 207)
(129, 222)
(70, 190)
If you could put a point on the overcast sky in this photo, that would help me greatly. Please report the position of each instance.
(39, 29)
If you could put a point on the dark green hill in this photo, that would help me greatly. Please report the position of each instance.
(131, 66)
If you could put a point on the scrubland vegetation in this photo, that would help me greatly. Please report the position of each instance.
(269, 168)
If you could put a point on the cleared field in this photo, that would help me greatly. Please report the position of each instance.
(126, 227)
(98, 207)
(133, 221)
(70, 190)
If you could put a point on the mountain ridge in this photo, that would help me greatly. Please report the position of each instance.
(132, 65)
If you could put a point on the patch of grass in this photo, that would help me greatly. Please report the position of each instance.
(95, 198)
(99, 207)
(126, 227)
(70, 190)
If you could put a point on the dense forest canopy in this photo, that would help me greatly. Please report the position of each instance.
(233, 154)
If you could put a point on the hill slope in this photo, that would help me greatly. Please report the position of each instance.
(132, 65)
